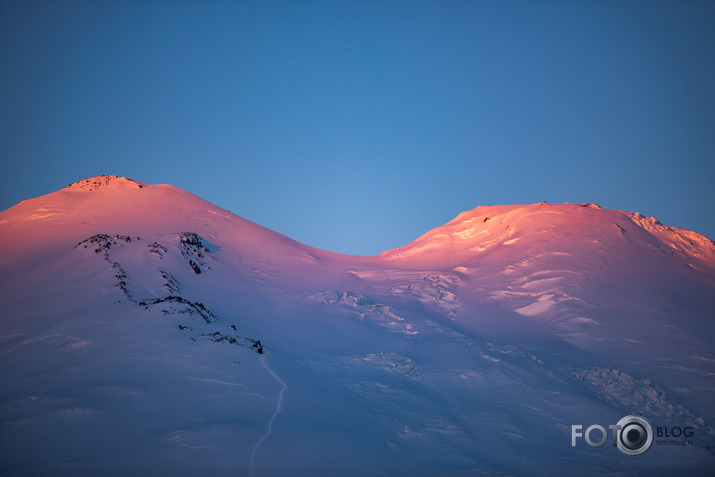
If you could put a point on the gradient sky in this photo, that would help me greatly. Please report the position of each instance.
(357, 126)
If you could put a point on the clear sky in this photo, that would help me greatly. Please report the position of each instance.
(357, 126)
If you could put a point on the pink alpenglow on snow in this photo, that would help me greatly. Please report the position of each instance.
(147, 331)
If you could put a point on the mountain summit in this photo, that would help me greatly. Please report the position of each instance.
(147, 331)
(484, 231)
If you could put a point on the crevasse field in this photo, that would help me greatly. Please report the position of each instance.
(145, 331)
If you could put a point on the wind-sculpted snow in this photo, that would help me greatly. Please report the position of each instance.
(433, 289)
(641, 396)
(145, 331)
(436, 290)
(391, 361)
(365, 308)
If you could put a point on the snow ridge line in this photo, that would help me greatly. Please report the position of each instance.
(279, 406)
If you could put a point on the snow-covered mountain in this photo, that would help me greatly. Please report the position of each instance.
(145, 331)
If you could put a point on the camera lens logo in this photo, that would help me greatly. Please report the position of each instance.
(634, 435)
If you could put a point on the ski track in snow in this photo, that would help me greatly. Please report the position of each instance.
(279, 406)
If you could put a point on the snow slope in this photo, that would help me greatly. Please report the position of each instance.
(146, 331)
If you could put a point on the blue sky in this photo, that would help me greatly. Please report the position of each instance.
(357, 126)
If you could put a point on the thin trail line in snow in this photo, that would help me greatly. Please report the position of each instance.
(279, 406)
